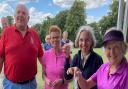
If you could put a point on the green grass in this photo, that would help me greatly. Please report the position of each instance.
(40, 81)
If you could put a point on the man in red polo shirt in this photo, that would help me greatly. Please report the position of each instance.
(20, 47)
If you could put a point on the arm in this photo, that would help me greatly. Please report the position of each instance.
(99, 62)
(84, 84)
(2, 50)
(66, 67)
(40, 59)
(66, 49)
(1, 64)
(48, 82)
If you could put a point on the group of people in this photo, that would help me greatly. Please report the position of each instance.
(20, 47)
(47, 45)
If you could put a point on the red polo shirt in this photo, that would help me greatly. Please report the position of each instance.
(20, 53)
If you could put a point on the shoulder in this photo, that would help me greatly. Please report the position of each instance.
(77, 57)
(8, 31)
(104, 67)
(32, 30)
(48, 52)
(77, 54)
(9, 28)
(45, 44)
(96, 56)
(34, 33)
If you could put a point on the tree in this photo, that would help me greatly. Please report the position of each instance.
(47, 23)
(42, 35)
(111, 19)
(75, 18)
(10, 20)
(37, 27)
(44, 26)
(60, 19)
(97, 34)
(41, 31)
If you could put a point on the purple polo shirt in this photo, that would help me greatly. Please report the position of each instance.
(117, 80)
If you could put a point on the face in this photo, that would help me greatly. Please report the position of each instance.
(65, 35)
(114, 51)
(21, 16)
(4, 22)
(48, 39)
(85, 42)
(55, 39)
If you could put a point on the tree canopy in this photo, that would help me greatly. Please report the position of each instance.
(75, 18)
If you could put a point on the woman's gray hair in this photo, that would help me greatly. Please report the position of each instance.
(88, 29)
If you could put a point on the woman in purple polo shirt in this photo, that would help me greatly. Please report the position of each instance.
(111, 75)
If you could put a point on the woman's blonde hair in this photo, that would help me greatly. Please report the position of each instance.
(54, 28)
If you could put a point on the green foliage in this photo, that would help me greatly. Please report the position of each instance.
(10, 20)
(69, 20)
(37, 27)
(97, 34)
(47, 23)
(41, 31)
(60, 19)
(106, 22)
(75, 18)
(111, 19)
(44, 27)
(42, 34)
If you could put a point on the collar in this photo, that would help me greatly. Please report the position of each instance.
(85, 57)
(14, 27)
(123, 65)
(59, 53)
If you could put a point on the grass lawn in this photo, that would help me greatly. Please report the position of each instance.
(40, 81)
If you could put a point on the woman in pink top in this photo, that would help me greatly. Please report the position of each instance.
(111, 75)
(53, 62)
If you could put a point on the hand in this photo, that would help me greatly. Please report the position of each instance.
(72, 70)
(57, 83)
(48, 82)
(67, 49)
(78, 75)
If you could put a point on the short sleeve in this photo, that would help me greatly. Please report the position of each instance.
(2, 45)
(40, 49)
(39, 46)
(94, 77)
